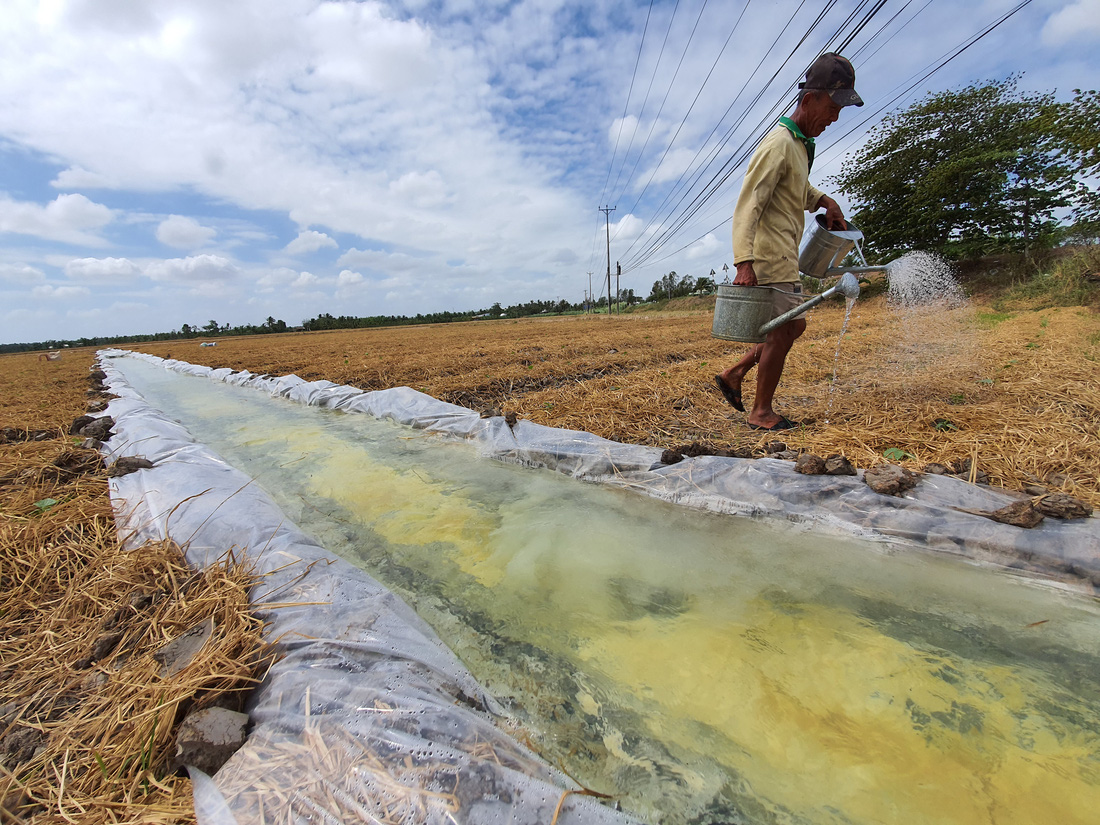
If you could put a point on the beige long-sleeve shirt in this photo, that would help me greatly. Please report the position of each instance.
(771, 210)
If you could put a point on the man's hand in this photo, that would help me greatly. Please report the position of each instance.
(746, 275)
(834, 217)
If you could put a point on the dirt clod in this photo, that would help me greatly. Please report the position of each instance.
(810, 464)
(207, 738)
(838, 465)
(129, 464)
(1062, 506)
(890, 479)
(1018, 514)
(964, 469)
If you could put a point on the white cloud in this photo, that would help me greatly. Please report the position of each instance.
(621, 131)
(358, 45)
(306, 279)
(387, 262)
(20, 274)
(707, 249)
(422, 189)
(60, 293)
(184, 233)
(348, 278)
(563, 256)
(67, 218)
(77, 178)
(276, 278)
(197, 268)
(102, 270)
(309, 241)
(1075, 22)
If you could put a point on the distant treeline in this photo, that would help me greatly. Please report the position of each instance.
(321, 322)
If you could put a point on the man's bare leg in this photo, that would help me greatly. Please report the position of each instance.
(773, 357)
(736, 374)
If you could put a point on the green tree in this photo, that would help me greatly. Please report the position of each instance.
(671, 286)
(1075, 125)
(965, 173)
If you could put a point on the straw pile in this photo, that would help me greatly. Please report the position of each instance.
(87, 718)
(1009, 398)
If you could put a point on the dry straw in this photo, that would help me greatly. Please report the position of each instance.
(87, 721)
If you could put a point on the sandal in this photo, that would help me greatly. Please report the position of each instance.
(733, 396)
(783, 423)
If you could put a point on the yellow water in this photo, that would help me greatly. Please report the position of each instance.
(696, 666)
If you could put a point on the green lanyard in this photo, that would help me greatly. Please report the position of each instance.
(808, 142)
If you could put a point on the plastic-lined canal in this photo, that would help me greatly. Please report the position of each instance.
(701, 668)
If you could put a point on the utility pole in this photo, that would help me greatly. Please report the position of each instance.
(588, 299)
(618, 274)
(607, 210)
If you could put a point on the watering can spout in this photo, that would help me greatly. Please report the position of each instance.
(847, 286)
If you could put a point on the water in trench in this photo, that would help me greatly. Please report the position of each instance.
(700, 668)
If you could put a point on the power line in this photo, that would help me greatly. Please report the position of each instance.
(645, 100)
(944, 60)
(664, 100)
(714, 152)
(734, 161)
(706, 80)
(629, 91)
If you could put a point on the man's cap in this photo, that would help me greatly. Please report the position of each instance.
(833, 74)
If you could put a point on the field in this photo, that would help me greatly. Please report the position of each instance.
(87, 727)
(1013, 392)
(1016, 393)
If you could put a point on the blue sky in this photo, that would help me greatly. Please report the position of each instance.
(194, 160)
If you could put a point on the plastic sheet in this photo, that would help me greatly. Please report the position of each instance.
(928, 516)
(368, 717)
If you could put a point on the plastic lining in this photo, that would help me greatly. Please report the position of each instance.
(368, 716)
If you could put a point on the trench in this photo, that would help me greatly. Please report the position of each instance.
(701, 668)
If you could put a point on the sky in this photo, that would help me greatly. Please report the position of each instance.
(188, 161)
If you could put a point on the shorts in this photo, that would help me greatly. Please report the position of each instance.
(785, 297)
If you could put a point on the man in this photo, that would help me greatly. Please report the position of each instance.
(768, 223)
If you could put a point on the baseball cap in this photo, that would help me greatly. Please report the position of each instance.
(833, 74)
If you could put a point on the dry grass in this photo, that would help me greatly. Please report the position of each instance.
(87, 721)
(1018, 390)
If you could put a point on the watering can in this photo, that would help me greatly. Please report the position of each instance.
(743, 313)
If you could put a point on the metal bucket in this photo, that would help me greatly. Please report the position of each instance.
(740, 311)
(826, 248)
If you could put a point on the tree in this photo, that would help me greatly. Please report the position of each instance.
(965, 173)
(1075, 125)
(211, 327)
(671, 286)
